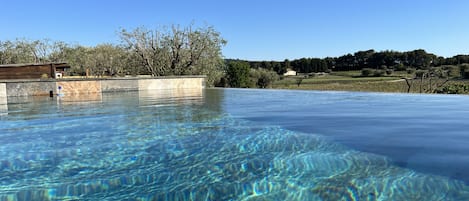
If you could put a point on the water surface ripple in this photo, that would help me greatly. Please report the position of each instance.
(141, 146)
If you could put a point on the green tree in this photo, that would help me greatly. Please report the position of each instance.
(238, 74)
(463, 70)
(287, 64)
(279, 68)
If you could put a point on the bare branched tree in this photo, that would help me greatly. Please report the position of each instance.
(429, 81)
(177, 51)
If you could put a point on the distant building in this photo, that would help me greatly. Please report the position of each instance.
(290, 72)
(33, 71)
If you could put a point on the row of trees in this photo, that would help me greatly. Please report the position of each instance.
(166, 51)
(197, 50)
(369, 59)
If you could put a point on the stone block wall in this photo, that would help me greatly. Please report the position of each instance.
(89, 87)
(171, 83)
(30, 88)
(3, 99)
(3, 90)
(66, 88)
(119, 85)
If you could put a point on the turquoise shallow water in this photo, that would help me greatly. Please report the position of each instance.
(192, 145)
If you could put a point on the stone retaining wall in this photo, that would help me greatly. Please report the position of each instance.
(78, 87)
(33, 88)
(3, 90)
(170, 83)
(3, 99)
(84, 87)
(119, 85)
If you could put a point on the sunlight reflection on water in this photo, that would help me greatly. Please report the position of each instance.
(188, 149)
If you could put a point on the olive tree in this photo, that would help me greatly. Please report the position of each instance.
(263, 78)
(177, 51)
(109, 60)
(31, 51)
(18, 51)
(7, 52)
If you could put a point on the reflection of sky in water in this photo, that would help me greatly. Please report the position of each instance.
(128, 148)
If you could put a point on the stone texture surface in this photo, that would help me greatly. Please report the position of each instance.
(171, 83)
(78, 87)
(30, 88)
(3, 99)
(90, 87)
(119, 85)
(3, 90)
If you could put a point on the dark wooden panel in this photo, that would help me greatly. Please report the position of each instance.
(31, 71)
(24, 72)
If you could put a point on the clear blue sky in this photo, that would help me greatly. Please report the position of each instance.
(255, 29)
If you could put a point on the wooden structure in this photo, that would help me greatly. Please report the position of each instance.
(32, 71)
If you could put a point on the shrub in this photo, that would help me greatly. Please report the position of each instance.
(454, 89)
(463, 69)
(466, 75)
(366, 72)
(453, 71)
(378, 73)
(421, 73)
(389, 72)
(410, 70)
(262, 78)
(399, 67)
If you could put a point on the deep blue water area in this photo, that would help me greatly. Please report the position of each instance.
(428, 133)
(235, 144)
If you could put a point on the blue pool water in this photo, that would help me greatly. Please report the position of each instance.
(217, 144)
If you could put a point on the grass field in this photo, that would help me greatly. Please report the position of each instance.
(351, 81)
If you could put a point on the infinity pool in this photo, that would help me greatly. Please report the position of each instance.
(217, 144)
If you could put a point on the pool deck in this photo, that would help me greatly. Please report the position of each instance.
(79, 87)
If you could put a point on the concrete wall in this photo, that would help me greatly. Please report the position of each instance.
(119, 85)
(30, 88)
